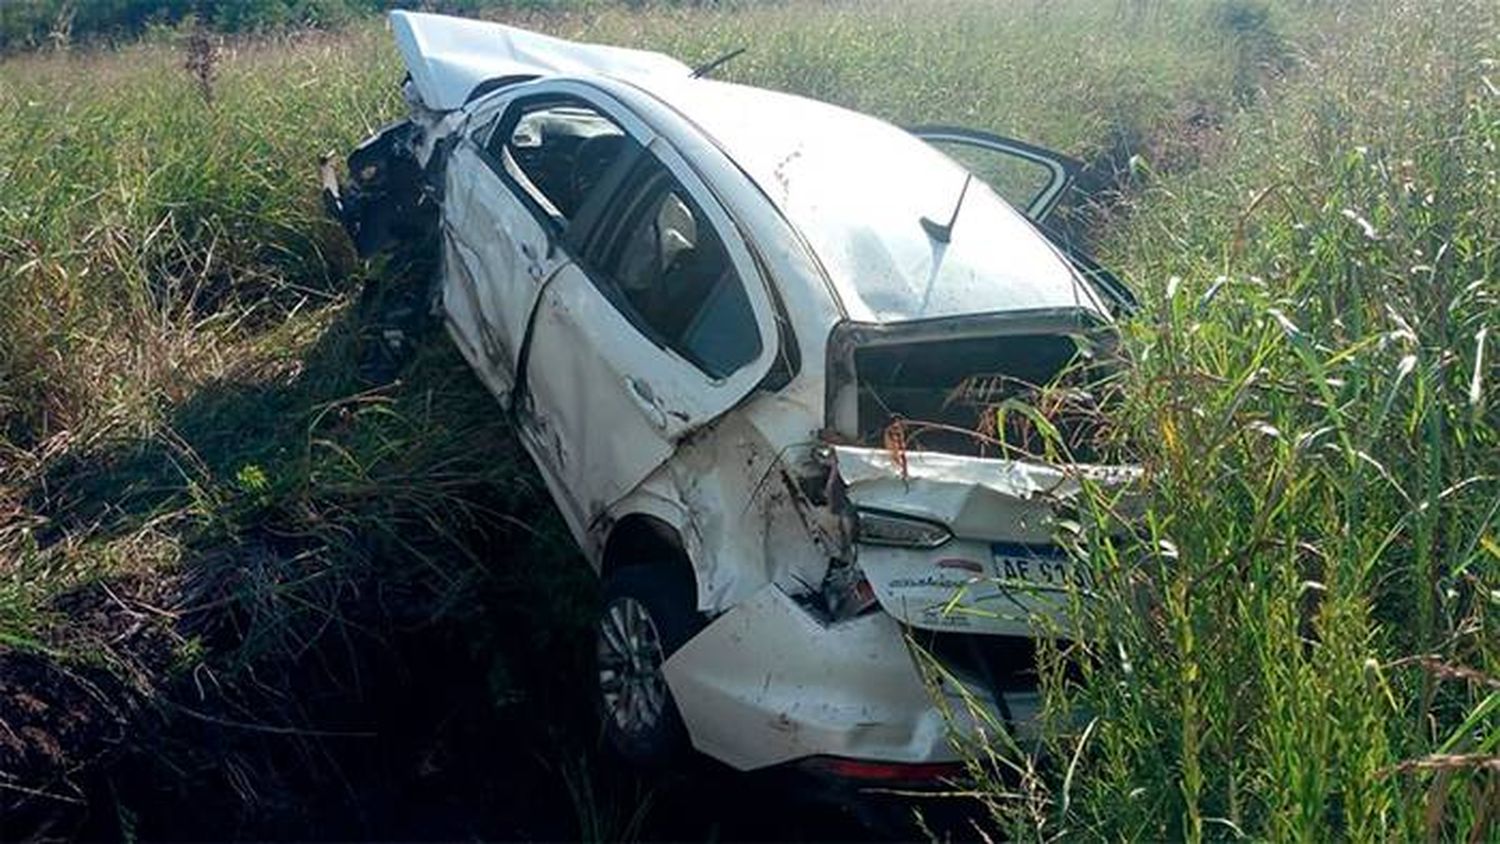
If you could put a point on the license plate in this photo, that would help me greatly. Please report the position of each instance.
(1042, 569)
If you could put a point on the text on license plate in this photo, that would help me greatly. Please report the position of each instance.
(1041, 566)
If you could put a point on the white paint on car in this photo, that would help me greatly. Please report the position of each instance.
(447, 56)
(800, 234)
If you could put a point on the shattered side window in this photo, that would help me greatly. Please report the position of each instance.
(558, 153)
(671, 275)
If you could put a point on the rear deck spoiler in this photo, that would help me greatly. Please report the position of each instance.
(448, 57)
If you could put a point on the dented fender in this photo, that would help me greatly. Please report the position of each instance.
(742, 517)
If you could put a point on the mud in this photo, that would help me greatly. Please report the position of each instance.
(63, 718)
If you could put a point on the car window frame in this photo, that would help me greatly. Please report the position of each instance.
(613, 222)
(561, 230)
(575, 240)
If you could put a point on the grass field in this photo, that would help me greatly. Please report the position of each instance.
(237, 524)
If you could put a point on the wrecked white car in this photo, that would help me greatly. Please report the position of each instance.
(752, 342)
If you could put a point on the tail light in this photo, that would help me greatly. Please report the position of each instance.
(878, 527)
(885, 773)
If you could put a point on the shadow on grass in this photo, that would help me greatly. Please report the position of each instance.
(380, 628)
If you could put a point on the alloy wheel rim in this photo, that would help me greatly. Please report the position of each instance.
(630, 659)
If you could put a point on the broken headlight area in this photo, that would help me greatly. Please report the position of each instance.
(384, 202)
(845, 592)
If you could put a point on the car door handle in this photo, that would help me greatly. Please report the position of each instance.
(533, 264)
(640, 393)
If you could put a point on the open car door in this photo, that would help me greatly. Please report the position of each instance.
(1033, 180)
(1030, 178)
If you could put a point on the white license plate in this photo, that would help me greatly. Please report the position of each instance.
(1044, 569)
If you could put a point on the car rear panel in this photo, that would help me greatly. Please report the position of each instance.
(1001, 572)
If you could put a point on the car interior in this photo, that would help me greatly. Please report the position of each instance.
(676, 275)
(560, 152)
(669, 274)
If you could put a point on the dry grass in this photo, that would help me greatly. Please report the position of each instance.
(1297, 644)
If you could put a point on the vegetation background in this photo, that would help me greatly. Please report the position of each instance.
(270, 566)
(31, 23)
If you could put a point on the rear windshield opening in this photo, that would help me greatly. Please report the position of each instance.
(984, 396)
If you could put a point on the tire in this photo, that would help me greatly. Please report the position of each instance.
(654, 607)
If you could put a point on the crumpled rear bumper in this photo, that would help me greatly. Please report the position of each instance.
(768, 683)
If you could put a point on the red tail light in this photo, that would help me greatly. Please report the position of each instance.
(885, 772)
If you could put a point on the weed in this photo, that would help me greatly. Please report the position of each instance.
(1295, 640)
(202, 62)
(1322, 484)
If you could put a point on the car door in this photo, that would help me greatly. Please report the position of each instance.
(1034, 180)
(498, 252)
(658, 322)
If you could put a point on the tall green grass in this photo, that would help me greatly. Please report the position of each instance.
(156, 249)
(1297, 641)
(27, 24)
(1296, 645)
(160, 232)
(1089, 78)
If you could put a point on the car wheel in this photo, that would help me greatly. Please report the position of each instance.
(649, 612)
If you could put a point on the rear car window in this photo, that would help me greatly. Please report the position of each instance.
(666, 268)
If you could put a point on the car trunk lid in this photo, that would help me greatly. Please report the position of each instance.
(991, 426)
(1002, 570)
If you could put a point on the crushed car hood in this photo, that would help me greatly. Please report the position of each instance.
(448, 57)
(1002, 571)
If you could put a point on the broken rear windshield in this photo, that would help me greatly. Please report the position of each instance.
(966, 396)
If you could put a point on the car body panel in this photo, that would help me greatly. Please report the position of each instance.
(751, 524)
(1002, 570)
(449, 57)
(765, 684)
(603, 405)
(499, 258)
(829, 218)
